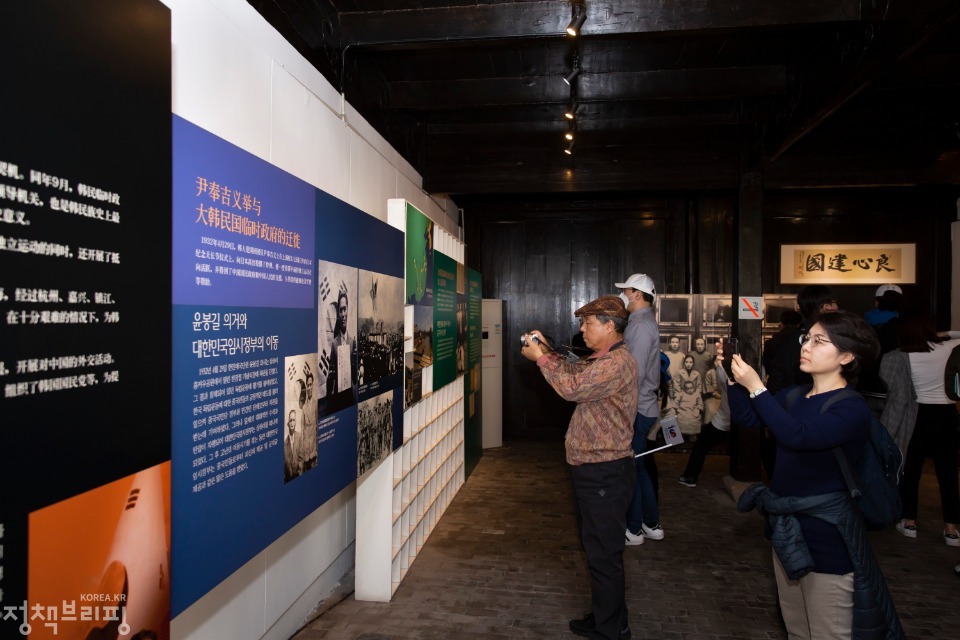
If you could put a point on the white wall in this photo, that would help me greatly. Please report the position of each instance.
(236, 77)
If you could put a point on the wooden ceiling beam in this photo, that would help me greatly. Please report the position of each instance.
(449, 25)
(707, 167)
(682, 84)
(599, 123)
(924, 32)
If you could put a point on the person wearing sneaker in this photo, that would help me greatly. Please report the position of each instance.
(599, 453)
(712, 434)
(821, 554)
(642, 336)
(920, 410)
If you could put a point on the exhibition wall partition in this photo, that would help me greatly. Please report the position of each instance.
(199, 348)
(399, 504)
(85, 239)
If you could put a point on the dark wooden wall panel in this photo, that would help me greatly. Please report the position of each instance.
(544, 271)
(879, 215)
(546, 258)
(715, 257)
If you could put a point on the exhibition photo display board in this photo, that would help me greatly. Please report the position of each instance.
(419, 288)
(287, 353)
(446, 336)
(396, 512)
(85, 183)
(473, 432)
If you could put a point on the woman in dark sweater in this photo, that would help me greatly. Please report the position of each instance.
(833, 352)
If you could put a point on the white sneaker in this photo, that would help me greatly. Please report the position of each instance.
(634, 539)
(654, 533)
(952, 539)
(908, 530)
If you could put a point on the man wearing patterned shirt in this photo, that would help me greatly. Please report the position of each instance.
(598, 450)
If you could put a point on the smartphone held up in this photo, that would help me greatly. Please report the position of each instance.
(729, 346)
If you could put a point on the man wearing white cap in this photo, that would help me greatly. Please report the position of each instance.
(643, 338)
(886, 308)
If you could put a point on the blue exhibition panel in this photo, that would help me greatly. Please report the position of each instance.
(251, 457)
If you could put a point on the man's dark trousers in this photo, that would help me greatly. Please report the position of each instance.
(602, 493)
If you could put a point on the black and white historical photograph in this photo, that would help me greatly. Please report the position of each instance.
(675, 347)
(374, 431)
(339, 374)
(412, 381)
(773, 307)
(461, 334)
(422, 337)
(380, 328)
(461, 278)
(717, 310)
(300, 415)
(675, 310)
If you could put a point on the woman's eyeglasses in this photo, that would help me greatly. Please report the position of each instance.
(817, 340)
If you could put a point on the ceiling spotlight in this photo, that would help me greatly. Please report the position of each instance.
(569, 134)
(571, 111)
(569, 149)
(570, 77)
(579, 17)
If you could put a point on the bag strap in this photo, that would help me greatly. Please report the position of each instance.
(838, 452)
(794, 395)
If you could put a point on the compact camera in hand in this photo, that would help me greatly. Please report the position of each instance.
(529, 338)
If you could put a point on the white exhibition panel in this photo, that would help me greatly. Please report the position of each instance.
(303, 125)
(327, 585)
(374, 534)
(492, 435)
(297, 558)
(373, 180)
(410, 191)
(247, 20)
(268, 587)
(350, 513)
(235, 609)
(220, 82)
(359, 124)
(491, 366)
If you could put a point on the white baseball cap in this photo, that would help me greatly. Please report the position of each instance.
(882, 289)
(640, 282)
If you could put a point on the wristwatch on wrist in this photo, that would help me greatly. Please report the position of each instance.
(756, 392)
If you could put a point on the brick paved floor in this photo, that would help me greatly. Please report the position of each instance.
(504, 562)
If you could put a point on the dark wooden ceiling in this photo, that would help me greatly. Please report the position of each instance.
(672, 94)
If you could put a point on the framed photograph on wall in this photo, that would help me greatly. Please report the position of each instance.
(717, 310)
(775, 304)
(675, 310)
